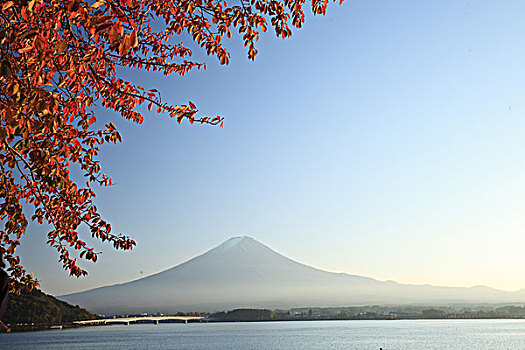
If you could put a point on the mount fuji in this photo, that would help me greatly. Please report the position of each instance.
(243, 272)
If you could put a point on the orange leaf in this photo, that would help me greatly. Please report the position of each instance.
(98, 4)
(133, 40)
(23, 12)
(7, 5)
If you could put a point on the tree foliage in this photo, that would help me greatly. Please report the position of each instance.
(243, 315)
(40, 308)
(58, 58)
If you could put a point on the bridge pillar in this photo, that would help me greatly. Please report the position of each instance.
(156, 322)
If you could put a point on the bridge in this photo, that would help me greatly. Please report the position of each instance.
(141, 319)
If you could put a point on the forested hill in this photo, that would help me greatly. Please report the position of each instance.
(42, 309)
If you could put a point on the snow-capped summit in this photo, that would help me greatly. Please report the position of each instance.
(240, 242)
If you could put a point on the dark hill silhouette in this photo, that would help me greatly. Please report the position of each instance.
(36, 307)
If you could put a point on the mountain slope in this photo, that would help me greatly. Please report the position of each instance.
(41, 309)
(243, 272)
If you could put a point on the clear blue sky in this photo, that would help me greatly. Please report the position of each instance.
(385, 139)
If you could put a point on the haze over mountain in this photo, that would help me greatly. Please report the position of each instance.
(243, 272)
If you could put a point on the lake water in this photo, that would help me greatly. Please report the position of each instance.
(390, 335)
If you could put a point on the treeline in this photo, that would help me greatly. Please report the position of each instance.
(36, 307)
(400, 312)
(243, 315)
(370, 313)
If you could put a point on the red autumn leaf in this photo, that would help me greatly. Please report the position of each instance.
(133, 40)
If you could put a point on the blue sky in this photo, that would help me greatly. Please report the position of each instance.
(384, 139)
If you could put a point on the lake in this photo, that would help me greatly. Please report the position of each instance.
(390, 335)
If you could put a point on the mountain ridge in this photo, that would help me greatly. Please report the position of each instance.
(242, 272)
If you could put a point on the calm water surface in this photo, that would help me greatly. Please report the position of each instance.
(390, 335)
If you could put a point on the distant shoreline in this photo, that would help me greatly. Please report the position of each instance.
(38, 328)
